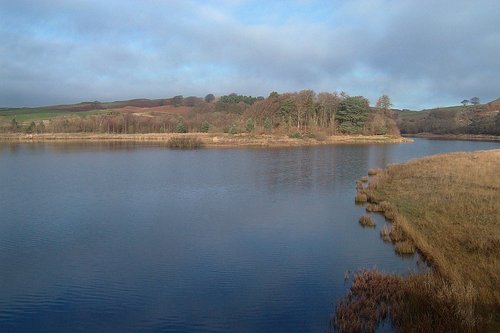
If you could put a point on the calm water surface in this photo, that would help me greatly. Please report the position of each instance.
(125, 238)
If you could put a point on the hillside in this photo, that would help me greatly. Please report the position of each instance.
(303, 113)
(470, 119)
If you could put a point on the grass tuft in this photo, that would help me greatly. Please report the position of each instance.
(404, 247)
(373, 172)
(385, 234)
(366, 221)
(360, 197)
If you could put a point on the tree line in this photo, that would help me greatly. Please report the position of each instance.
(293, 113)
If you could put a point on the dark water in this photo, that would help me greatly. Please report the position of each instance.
(119, 238)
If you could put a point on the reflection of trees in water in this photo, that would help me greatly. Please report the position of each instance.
(314, 167)
(95, 146)
(379, 155)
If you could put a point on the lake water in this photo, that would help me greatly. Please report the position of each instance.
(127, 238)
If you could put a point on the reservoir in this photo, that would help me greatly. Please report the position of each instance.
(108, 237)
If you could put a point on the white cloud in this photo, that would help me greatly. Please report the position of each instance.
(421, 53)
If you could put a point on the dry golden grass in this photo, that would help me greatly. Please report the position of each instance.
(373, 172)
(448, 206)
(360, 197)
(418, 303)
(366, 221)
(404, 247)
(208, 139)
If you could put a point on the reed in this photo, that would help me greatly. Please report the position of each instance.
(404, 247)
(384, 234)
(447, 207)
(366, 221)
(417, 303)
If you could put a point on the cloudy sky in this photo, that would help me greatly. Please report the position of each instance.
(421, 53)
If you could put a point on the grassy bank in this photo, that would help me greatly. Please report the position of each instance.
(206, 139)
(465, 137)
(447, 206)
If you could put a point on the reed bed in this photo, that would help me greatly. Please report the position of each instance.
(446, 206)
(184, 143)
(418, 303)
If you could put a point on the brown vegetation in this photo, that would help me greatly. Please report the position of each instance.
(447, 207)
(366, 221)
(373, 172)
(184, 143)
(418, 303)
(208, 139)
(361, 197)
(456, 120)
(302, 114)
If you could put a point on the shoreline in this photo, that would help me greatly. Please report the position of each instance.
(209, 140)
(462, 137)
(444, 207)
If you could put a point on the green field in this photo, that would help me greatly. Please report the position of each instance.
(36, 114)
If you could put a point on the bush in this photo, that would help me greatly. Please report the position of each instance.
(268, 124)
(250, 125)
(181, 127)
(233, 129)
(205, 126)
(184, 143)
(295, 135)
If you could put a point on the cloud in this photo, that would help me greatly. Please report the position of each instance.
(421, 53)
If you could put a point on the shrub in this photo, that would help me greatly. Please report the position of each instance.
(233, 129)
(268, 124)
(181, 127)
(250, 125)
(184, 143)
(320, 136)
(295, 135)
(205, 126)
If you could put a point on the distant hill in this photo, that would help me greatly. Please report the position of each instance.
(470, 119)
(305, 112)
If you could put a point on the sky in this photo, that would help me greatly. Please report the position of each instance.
(421, 53)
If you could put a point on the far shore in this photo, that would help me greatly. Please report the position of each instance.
(211, 140)
(465, 137)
